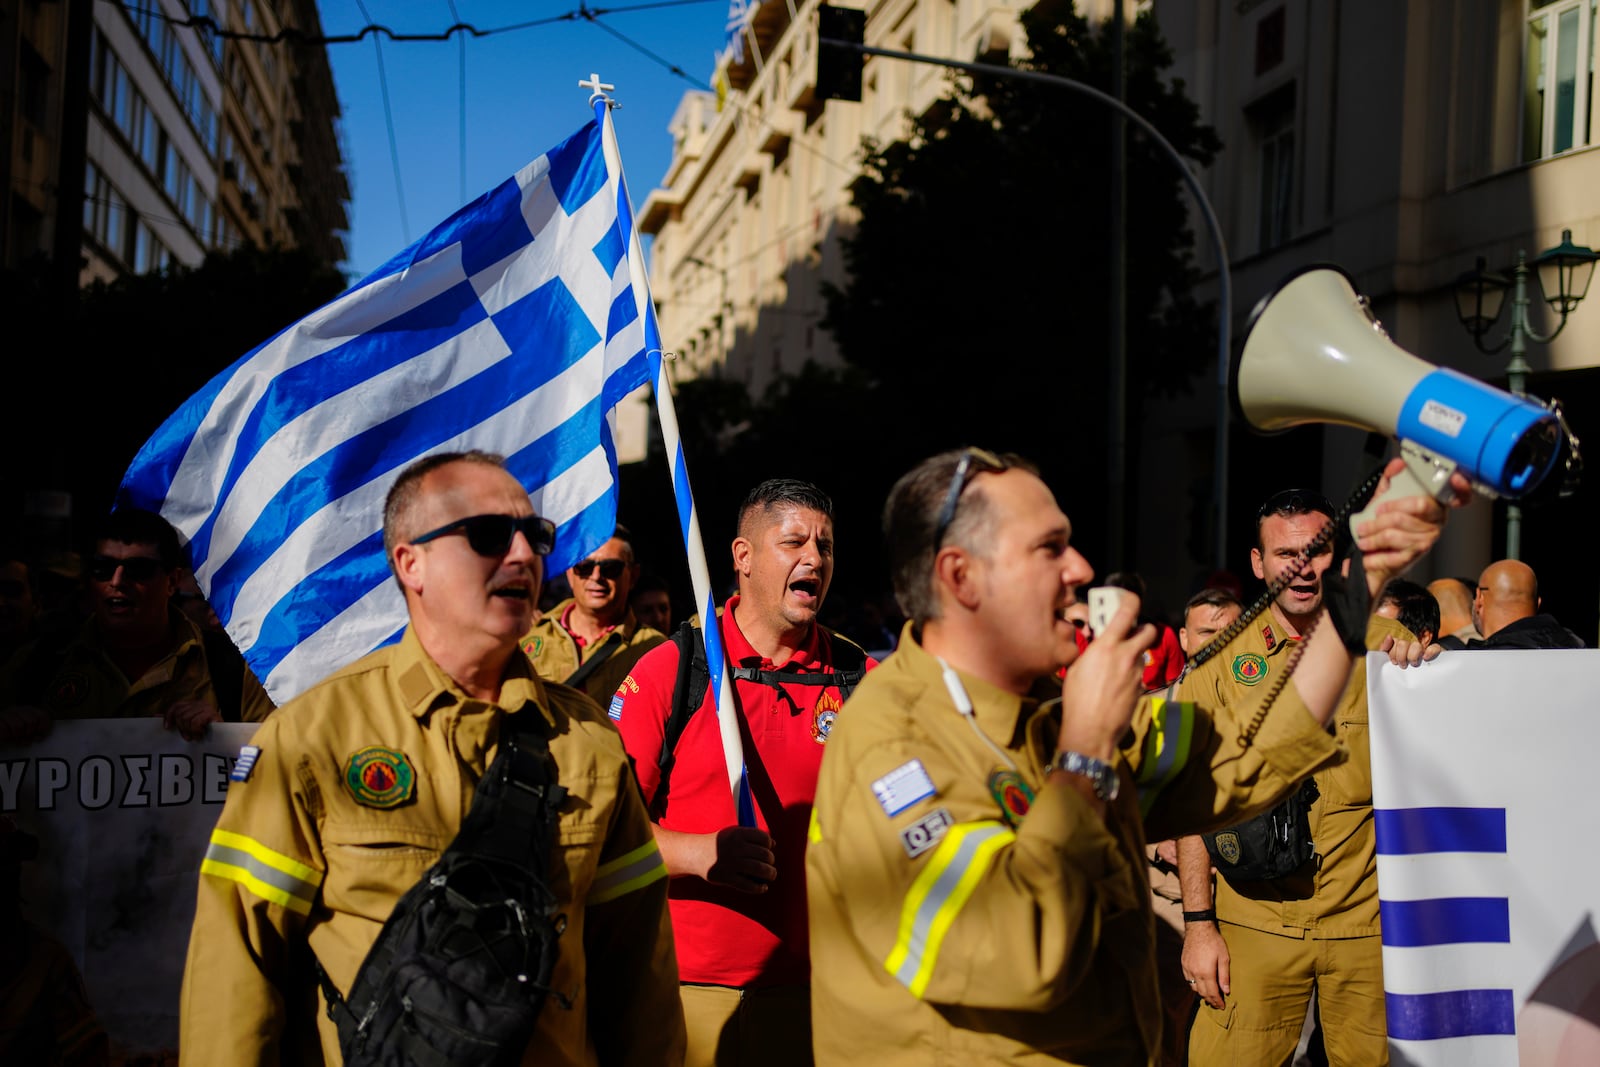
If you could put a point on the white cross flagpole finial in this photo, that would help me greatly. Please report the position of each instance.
(598, 90)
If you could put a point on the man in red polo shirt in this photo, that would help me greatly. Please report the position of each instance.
(738, 894)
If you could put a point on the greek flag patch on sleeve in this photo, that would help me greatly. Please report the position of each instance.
(615, 711)
(903, 787)
(244, 764)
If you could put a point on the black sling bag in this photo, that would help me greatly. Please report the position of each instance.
(463, 965)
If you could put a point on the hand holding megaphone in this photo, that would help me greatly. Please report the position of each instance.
(1313, 352)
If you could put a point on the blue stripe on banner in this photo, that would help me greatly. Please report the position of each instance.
(610, 249)
(1445, 921)
(624, 309)
(305, 385)
(1412, 831)
(578, 168)
(625, 379)
(1459, 1013)
(408, 435)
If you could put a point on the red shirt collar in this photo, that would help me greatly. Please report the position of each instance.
(565, 615)
(808, 657)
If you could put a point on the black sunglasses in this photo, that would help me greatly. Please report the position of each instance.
(987, 463)
(134, 568)
(610, 569)
(491, 535)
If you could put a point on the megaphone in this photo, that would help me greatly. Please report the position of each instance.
(1314, 352)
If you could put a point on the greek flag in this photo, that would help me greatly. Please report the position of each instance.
(512, 327)
(739, 14)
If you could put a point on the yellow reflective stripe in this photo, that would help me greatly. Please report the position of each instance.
(270, 875)
(627, 873)
(1166, 748)
(814, 829)
(276, 860)
(937, 896)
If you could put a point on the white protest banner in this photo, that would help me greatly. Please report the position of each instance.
(1488, 870)
(122, 810)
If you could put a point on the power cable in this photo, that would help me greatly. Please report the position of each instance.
(388, 118)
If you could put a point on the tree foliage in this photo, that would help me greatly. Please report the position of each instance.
(978, 275)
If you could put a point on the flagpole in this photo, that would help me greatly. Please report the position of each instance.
(688, 519)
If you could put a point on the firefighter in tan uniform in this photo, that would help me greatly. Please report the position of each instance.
(1258, 952)
(591, 640)
(976, 869)
(348, 794)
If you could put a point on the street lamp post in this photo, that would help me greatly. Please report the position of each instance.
(1563, 272)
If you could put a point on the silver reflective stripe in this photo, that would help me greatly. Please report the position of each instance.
(261, 872)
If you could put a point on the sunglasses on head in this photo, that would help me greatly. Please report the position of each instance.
(491, 535)
(610, 569)
(134, 568)
(974, 461)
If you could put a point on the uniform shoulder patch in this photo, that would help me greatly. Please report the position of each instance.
(380, 777)
(246, 763)
(614, 712)
(903, 787)
(1012, 793)
(1249, 668)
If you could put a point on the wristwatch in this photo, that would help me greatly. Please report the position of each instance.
(1102, 776)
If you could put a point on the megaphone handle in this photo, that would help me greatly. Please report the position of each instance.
(1425, 474)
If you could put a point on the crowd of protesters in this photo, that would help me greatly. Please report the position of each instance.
(122, 629)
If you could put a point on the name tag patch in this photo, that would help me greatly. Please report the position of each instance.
(903, 787)
(244, 764)
(923, 834)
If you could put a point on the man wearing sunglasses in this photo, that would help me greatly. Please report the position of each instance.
(738, 892)
(590, 640)
(361, 782)
(976, 868)
(137, 655)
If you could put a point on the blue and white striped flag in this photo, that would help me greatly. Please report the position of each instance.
(1488, 881)
(740, 12)
(512, 327)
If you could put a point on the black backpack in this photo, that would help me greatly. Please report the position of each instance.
(462, 966)
(1274, 844)
(694, 678)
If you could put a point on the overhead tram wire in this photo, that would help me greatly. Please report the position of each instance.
(388, 119)
(462, 61)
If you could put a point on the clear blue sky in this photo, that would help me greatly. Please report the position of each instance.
(522, 98)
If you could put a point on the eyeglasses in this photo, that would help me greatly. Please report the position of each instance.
(988, 463)
(610, 569)
(491, 535)
(134, 568)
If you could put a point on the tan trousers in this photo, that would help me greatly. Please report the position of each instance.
(1272, 977)
(747, 1027)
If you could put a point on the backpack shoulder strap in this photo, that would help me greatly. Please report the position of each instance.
(688, 692)
(576, 679)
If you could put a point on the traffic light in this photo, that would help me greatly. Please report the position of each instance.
(838, 68)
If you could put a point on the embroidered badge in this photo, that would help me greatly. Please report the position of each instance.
(615, 710)
(1012, 794)
(923, 834)
(72, 690)
(534, 647)
(1249, 668)
(380, 777)
(903, 787)
(1268, 636)
(244, 764)
(1228, 846)
(822, 717)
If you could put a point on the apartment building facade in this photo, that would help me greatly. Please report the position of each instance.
(166, 139)
(1401, 141)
